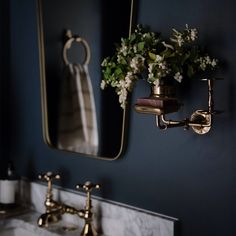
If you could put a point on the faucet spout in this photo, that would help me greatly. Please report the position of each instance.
(48, 218)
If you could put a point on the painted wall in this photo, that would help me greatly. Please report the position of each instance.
(175, 172)
(4, 77)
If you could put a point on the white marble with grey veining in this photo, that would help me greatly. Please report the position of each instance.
(113, 219)
(28, 222)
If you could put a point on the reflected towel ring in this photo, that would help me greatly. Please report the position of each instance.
(68, 44)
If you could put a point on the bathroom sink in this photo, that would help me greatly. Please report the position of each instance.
(16, 232)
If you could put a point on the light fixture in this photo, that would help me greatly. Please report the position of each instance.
(162, 101)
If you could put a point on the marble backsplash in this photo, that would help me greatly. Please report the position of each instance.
(110, 218)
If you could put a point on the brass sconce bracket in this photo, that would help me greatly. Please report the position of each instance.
(200, 121)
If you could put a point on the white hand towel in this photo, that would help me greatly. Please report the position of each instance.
(77, 130)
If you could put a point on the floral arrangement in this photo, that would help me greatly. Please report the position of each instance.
(146, 52)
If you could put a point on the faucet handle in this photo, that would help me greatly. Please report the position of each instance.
(88, 186)
(49, 176)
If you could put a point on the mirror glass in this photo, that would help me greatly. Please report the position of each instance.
(77, 115)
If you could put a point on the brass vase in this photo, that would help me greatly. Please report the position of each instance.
(162, 99)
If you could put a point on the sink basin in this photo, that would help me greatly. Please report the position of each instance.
(16, 232)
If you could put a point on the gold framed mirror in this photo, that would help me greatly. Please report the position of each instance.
(74, 37)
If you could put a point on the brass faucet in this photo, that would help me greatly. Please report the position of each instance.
(55, 209)
(88, 214)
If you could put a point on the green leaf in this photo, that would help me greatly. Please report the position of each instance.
(141, 46)
(118, 71)
(152, 56)
(108, 70)
(167, 53)
(123, 61)
(132, 37)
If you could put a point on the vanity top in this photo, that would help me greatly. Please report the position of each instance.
(27, 222)
(110, 218)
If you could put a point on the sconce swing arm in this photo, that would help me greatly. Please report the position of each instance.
(200, 121)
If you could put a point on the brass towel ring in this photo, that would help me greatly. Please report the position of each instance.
(68, 44)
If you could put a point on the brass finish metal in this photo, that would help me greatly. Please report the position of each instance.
(88, 229)
(43, 85)
(201, 117)
(49, 203)
(76, 39)
(200, 121)
(163, 91)
(55, 209)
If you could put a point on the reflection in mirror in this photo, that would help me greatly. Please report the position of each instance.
(75, 36)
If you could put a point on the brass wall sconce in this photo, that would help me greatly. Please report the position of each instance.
(162, 101)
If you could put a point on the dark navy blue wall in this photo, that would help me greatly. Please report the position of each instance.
(4, 77)
(175, 172)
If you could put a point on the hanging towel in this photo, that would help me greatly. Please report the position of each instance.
(77, 129)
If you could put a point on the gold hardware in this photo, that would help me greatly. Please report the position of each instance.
(44, 90)
(49, 203)
(160, 94)
(88, 229)
(163, 91)
(200, 121)
(201, 117)
(55, 209)
(77, 39)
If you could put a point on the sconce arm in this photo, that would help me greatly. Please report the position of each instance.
(173, 123)
(199, 119)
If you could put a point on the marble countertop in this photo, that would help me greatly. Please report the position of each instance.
(110, 218)
(28, 221)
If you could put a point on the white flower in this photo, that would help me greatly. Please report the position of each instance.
(151, 66)
(178, 38)
(122, 96)
(167, 45)
(151, 69)
(146, 35)
(193, 34)
(121, 84)
(129, 80)
(103, 84)
(157, 70)
(105, 62)
(206, 61)
(150, 76)
(158, 58)
(124, 49)
(119, 58)
(162, 66)
(137, 63)
(135, 48)
(178, 77)
(214, 63)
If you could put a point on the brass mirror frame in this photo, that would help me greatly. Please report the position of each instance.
(42, 74)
